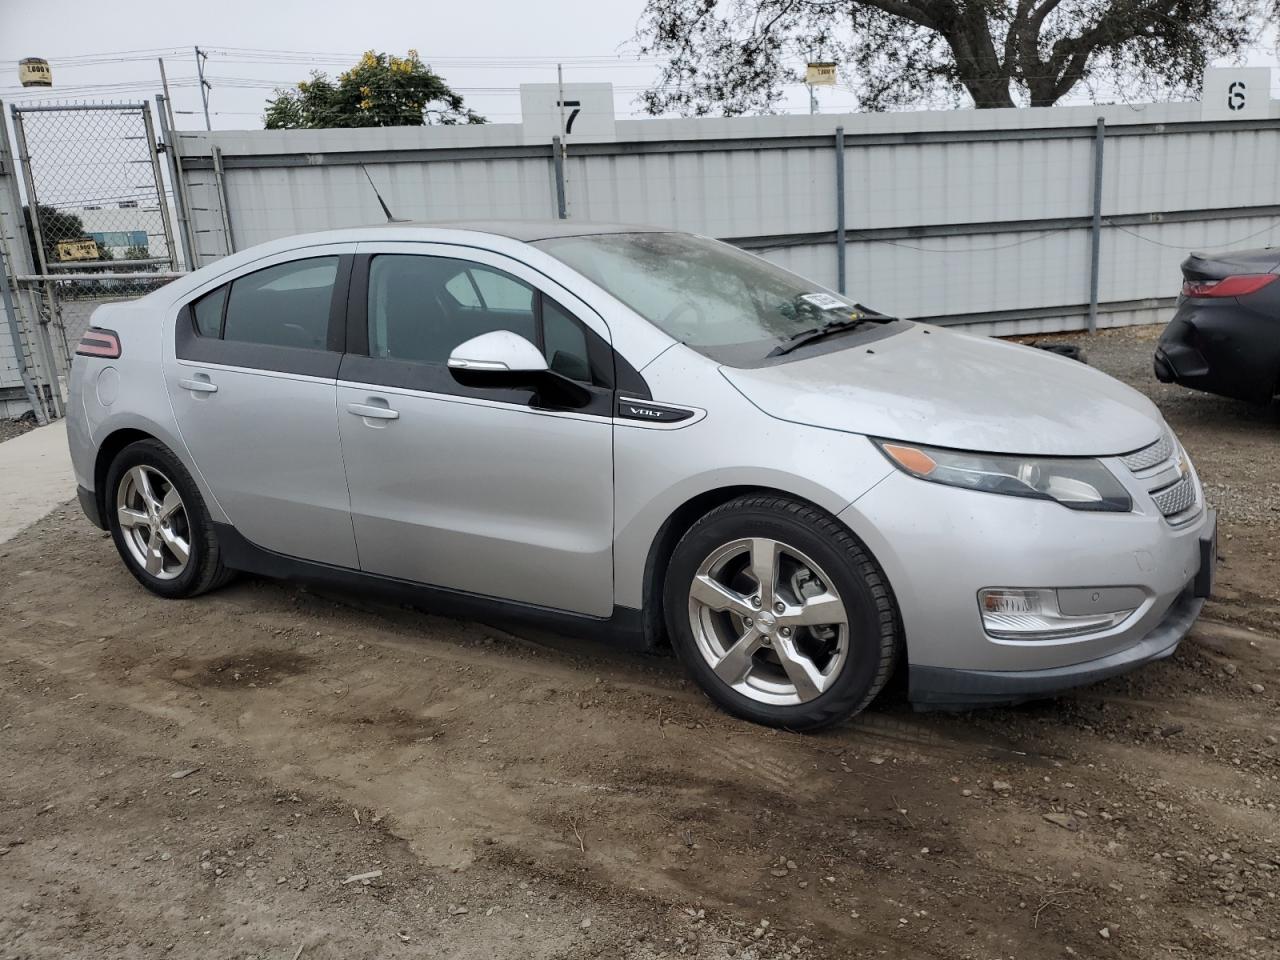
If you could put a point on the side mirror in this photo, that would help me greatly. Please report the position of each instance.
(500, 351)
(505, 359)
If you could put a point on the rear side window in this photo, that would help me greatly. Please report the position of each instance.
(286, 305)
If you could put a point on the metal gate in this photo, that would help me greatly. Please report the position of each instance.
(97, 210)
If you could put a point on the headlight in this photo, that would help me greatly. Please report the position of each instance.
(1078, 483)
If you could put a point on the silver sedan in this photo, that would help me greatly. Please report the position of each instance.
(649, 437)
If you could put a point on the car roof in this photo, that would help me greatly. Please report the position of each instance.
(527, 230)
(503, 234)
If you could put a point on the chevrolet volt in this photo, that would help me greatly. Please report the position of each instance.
(650, 436)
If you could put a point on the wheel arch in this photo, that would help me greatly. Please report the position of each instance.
(680, 520)
(104, 438)
(131, 431)
(110, 448)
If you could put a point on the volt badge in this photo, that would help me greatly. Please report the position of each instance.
(652, 412)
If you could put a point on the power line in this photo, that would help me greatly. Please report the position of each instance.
(250, 55)
(1182, 246)
(311, 55)
(118, 55)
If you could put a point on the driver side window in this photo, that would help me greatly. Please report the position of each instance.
(420, 308)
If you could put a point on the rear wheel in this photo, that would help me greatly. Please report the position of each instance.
(780, 614)
(159, 523)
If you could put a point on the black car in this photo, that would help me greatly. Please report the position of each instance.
(1225, 334)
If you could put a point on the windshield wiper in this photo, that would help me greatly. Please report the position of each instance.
(834, 326)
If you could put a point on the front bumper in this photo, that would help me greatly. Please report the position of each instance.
(939, 546)
(942, 688)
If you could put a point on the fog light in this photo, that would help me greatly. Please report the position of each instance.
(1035, 614)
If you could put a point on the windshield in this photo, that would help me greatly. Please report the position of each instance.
(711, 296)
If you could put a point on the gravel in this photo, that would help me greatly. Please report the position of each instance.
(10, 428)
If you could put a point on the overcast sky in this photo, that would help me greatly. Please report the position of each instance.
(483, 49)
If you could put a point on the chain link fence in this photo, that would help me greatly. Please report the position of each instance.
(66, 303)
(96, 215)
(95, 197)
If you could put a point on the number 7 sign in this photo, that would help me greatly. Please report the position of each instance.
(585, 109)
(577, 109)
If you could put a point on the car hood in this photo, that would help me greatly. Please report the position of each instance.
(932, 386)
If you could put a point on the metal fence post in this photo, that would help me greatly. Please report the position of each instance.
(33, 202)
(179, 188)
(1095, 253)
(15, 334)
(20, 258)
(220, 181)
(840, 252)
(557, 159)
(154, 152)
(40, 327)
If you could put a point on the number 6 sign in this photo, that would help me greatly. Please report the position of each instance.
(1236, 93)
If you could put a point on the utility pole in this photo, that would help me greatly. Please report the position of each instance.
(560, 95)
(168, 97)
(204, 86)
(813, 94)
(563, 144)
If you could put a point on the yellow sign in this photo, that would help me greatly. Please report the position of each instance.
(35, 72)
(83, 249)
(820, 75)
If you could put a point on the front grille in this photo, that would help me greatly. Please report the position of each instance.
(1148, 457)
(1178, 497)
(1163, 469)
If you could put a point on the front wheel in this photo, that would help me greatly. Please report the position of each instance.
(780, 614)
(159, 523)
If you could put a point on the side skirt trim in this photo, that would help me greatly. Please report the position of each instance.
(625, 627)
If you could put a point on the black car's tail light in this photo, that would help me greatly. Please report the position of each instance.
(1238, 286)
(97, 342)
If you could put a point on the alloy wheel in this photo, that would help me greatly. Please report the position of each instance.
(153, 522)
(768, 621)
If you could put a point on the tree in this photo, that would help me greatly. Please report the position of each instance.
(55, 225)
(379, 91)
(732, 56)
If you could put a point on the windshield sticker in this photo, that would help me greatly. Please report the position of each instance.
(825, 301)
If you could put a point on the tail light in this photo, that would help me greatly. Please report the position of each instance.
(1239, 286)
(97, 342)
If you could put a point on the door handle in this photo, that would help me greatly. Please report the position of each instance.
(198, 386)
(372, 411)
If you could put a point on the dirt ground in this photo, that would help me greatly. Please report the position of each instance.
(15, 427)
(210, 778)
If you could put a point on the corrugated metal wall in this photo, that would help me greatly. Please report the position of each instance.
(13, 242)
(12, 396)
(973, 217)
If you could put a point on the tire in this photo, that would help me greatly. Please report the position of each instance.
(745, 661)
(159, 541)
